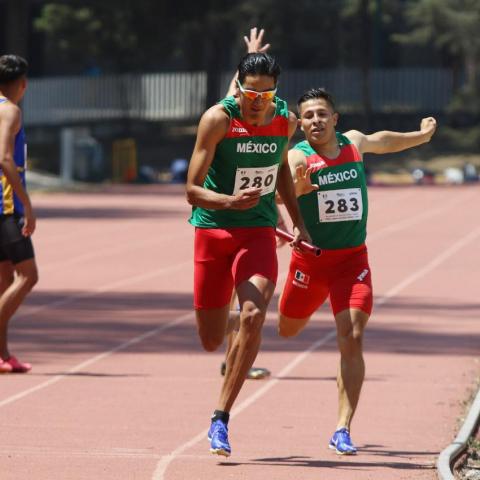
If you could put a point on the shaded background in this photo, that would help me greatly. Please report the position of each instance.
(117, 87)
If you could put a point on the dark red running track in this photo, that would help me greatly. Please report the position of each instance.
(122, 390)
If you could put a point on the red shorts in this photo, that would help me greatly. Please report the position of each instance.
(224, 258)
(343, 274)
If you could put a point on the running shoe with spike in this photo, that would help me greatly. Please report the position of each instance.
(16, 365)
(342, 443)
(254, 373)
(218, 436)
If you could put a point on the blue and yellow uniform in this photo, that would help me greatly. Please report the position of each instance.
(9, 202)
(14, 246)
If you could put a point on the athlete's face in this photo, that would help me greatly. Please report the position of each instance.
(255, 109)
(317, 120)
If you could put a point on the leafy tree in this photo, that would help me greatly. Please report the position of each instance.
(450, 26)
(160, 34)
(81, 36)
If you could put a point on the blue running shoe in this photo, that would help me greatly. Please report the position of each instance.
(218, 436)
(342, 443)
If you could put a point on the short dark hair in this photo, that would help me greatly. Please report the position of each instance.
(258, 64)
(315, 93)
(12, 67)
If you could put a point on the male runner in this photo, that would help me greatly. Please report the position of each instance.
(18, 270)
(254, 44)
(330, 182)
(239, 159)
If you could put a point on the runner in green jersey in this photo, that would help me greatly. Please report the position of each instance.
(253, 44)
(238, 162)
(330, 182)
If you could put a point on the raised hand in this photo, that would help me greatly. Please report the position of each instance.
(303, 182)
(428, 126)
(254, 43)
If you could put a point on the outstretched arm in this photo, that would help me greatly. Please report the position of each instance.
(10, 124)
(254, 44)
(389, 142)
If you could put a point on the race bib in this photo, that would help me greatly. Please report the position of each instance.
(261, 177)
(340, 205)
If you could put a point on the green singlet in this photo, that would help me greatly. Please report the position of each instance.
(336, 215)
(248, 156)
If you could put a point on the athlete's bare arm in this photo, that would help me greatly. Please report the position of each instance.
(286, 189)
(389, 142)
(10, 124)
(212, 129)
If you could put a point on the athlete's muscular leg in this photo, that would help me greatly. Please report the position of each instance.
(13, 294)
(6, 275)
(233, 326)
(233, 323)
(300, 298)
(212, 325)
(291, 299)
(289, 327)
(351, 373)
(6, 279)
(254, 296)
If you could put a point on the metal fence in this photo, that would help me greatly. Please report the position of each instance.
(181, 96)
(391, 90)
(70, 100)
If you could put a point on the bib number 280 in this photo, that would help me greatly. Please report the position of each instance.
(264, 178)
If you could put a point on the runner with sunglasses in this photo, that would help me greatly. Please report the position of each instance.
(238, 162)
(254, 45)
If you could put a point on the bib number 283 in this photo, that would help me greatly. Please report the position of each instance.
(263, 177)
(340, 205)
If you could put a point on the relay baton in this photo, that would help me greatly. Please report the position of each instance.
(307, 247)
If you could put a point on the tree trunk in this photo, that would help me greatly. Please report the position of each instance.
(471, 73)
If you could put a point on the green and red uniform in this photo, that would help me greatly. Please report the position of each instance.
(336, 219)
(233, 245)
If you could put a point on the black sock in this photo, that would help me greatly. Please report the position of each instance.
(221, 415)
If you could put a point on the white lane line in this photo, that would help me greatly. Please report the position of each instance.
(97, 358)
(109, 229)
(109, 251)
(88, 453)
(161, 468)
